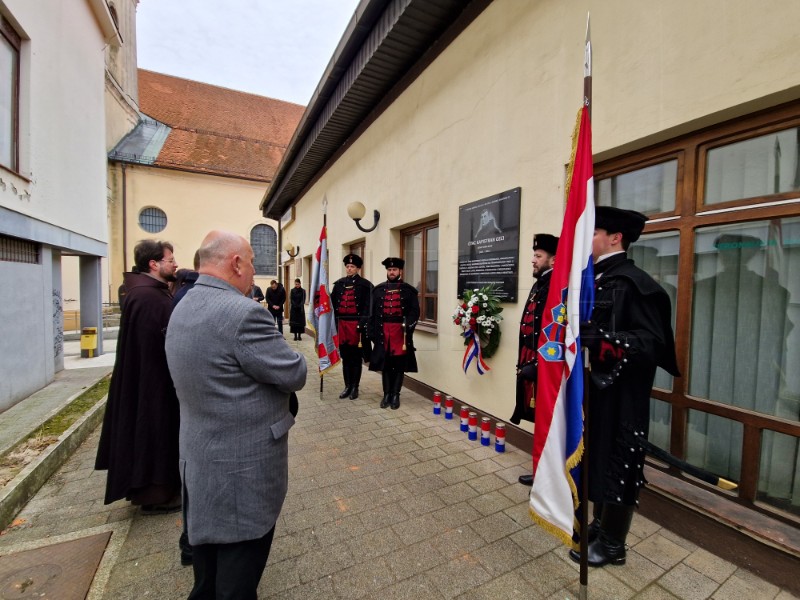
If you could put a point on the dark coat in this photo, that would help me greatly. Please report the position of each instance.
(139, 439)
(362, 290)
(633, 336)
(297, 313)
(276, 297)
(527, 356)
(409, 303)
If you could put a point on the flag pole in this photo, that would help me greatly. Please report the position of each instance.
(325, 227)
(583, 591)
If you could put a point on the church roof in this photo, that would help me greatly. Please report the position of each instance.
(209, 129)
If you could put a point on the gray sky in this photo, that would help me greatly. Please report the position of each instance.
(275, 48)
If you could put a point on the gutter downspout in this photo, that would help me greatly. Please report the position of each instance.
(124, 220)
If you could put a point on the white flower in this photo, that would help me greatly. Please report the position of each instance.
(485, 305)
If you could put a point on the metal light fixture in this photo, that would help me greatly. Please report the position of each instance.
(356, 211)
(289, 247)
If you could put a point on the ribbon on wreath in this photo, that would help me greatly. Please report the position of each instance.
(473, 351)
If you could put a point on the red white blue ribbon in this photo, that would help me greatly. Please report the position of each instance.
(473, 351)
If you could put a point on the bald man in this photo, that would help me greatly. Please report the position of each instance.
(234, 374)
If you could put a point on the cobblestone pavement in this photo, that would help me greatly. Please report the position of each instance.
(382, 504)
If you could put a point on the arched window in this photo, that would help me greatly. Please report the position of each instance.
(264, 241)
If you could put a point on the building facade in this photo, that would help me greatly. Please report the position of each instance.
(427, 107)
(198, 159)
(52, 178)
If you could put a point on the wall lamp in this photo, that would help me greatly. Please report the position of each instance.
(356, 211)
(289, 247)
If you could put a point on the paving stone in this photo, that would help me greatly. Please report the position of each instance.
(363, 580)
(501, 556)
(457, 576)
(685, 582)
(638, 572)
(743, 585)
(710, 565)
(384, 505)
(660, 550)
(495, 526)
(490, 503)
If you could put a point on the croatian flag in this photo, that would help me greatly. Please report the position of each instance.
(320, 312)
(557, 438)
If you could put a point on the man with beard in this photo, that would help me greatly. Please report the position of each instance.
(351, 296)
(628, 337)
(139, 439)
(393, 317)
(544, 256)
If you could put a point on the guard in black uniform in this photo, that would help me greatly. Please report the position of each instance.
(629, 335)
(544, 255)
(351, 297)
(395, 311)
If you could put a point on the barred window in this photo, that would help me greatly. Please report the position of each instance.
(264, 241)
(21, 251)
(152, 219)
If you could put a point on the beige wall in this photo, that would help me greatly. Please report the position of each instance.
(194, 205)
(496, 110)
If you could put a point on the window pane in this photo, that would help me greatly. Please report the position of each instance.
(429, 308)
(412, 246)
(746, 316)
(264, 241)
(714, 443)
(660, 417)
(152, 219)
(649, 190)
(758, 167)
(779, 480)
(657, 254)
(432, 261)
(8, 109)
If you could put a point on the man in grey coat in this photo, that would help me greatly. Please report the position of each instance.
(233, 373)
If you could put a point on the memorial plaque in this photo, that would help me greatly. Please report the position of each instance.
(488, 244)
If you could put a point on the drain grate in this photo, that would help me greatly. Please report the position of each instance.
(61, 571)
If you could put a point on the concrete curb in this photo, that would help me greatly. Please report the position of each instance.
(20, 490)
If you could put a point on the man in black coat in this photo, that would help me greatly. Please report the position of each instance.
(351, 296)
(544, 256)
(628, 337)
(139, 438)
(395, 311)
(276, 298)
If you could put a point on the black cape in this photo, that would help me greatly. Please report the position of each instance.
(139, 439)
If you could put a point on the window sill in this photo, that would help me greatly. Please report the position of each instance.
(13, 173)
(427, 327)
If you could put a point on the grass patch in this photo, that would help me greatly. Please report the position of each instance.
(48, 433)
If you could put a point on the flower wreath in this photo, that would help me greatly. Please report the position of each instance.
(478, 315)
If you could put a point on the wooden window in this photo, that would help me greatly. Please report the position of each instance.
(724, 242)
(421, 254)
(9, 96)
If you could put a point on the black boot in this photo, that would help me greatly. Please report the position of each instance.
(397, 385)
(594, 526)
(609, 546)
(355, 377)
(346, 392)
(387, 390)
(526, 479)
(186, 549)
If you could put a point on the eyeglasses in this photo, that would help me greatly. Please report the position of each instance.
(169, 260)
